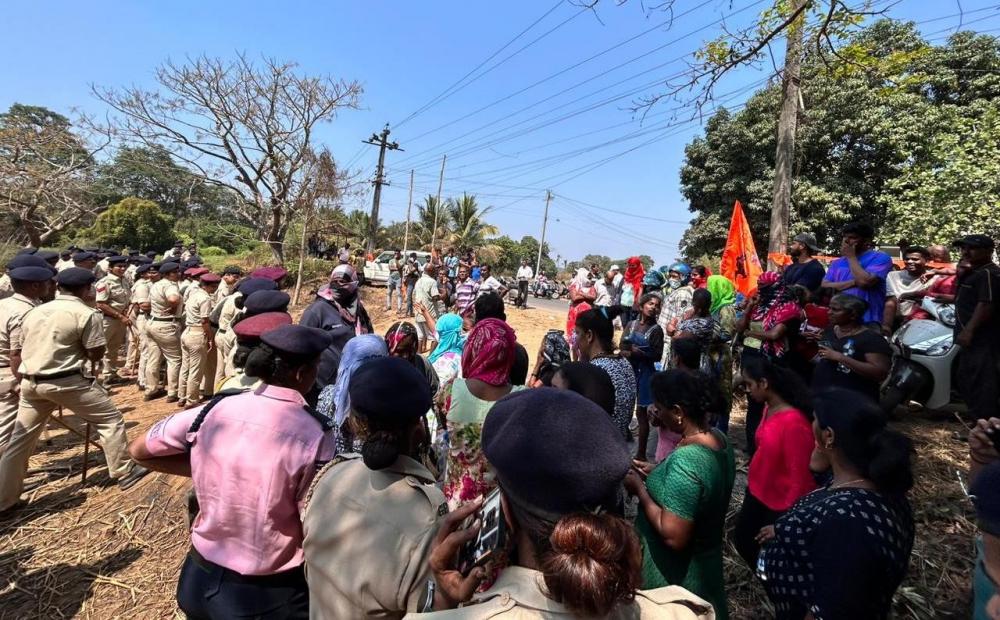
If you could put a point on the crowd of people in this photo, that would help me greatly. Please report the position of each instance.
(435, 470)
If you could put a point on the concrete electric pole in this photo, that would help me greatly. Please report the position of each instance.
(380, 140)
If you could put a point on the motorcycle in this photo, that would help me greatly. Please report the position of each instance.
(923, 360)
(546, 290)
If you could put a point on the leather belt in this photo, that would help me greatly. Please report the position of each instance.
(165, 318)
(56, 375)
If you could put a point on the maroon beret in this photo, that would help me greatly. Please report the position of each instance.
(251, 328)
(210, 278)
(269, 273)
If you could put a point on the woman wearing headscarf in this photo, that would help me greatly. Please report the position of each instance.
(677, 292)
(403, 341)
(338, 311)
(486, 363)
(335, 399)
(582, 294)
(631, 289)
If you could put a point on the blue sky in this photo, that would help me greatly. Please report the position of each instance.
(615, 176)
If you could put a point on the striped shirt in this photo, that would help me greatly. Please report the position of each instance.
(465, 296)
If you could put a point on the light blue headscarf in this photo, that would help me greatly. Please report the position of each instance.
(449, 329)
(357, 351)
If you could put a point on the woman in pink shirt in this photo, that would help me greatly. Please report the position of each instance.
(779, 470)
(251, 457)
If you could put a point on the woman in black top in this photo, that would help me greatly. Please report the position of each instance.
(842, 550)
(851, 356)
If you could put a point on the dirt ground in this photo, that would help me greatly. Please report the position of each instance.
(94, 551)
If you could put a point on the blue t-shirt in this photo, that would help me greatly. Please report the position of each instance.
(878, 264)
(451, 262)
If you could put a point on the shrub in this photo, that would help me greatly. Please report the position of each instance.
(135, 223)
(212, 251)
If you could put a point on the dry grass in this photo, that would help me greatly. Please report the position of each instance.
(97, 552)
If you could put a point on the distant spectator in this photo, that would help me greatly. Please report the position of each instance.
(905, 288)
(861, 270)
(805, 270)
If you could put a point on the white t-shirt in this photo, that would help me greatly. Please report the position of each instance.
(899, 282)
(490, 284)
(603, 294)
(525, 273)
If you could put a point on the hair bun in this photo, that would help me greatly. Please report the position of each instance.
(379, 450)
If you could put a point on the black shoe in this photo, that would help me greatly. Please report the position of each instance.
(172, 399)
(128, 480)
(10, 511)
(155, 394)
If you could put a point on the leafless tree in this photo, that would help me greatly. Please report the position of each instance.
(241, 125)
(46, 170)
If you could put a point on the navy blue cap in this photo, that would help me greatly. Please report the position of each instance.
(260, 302)
(232, 270)
(66, 253)
(252, 285)
(27, 260)
(32, 274)
(390, 388)
(79, 257)
(117, 260)
(143, 260)
(28, 250)
(298, 340)
(195, 260)
(48, 255)
(585, 474)
(151, 254)
(169, 267)
(143, 268)
(75, 276)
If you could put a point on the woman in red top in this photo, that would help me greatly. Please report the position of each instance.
(779, 471)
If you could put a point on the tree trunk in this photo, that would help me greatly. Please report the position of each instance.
(34, 235)
(785, 153)
(302, 257)
(274, 238)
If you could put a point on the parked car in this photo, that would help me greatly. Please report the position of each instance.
(377, 271)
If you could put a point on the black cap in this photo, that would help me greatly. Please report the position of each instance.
(195, 260)
(584, 474)
(27, 260)
(260, 302)
(390, 388)
(75, 276)
(80, 257)
(169, 267)
(117, 260)
(986, 493)
(143, 268)
(252, 285)
(32, 274)
(975, 241)
(232, 270)
(297, 339)
(66, 254)
(151, 254)
(27, 250)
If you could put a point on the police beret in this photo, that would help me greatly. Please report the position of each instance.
(32, 274)
(27, 260)
(252, 285)
(390, 388)
(185, 265)
(28, 250)
(47, 255)
(195, 260)
(297, 340)
(232, 270)
(270, 273)
(117, 260)
(66, 254)
(210, 278)
(112, 252)
(252, 327)
(143, 260)
(260, 302)
(79, 257)
(75, 276)
(143, 268)
(584, 474)
(195, 272)
(151, 254)
(92, 250)
(986, 493)
(169, 267)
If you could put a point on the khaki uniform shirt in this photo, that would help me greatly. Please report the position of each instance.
(223, 291)
(517, 595)
(64, 264)
(113, 291)
(6, 286)
(229, 311)
(60, 332)
(140, 292)
(129, 276)
(183, 287)
(368, 535)
(101, 268)
(12, 311)
(197, 306)
(158, 294)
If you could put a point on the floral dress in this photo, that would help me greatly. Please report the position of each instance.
(467, 475)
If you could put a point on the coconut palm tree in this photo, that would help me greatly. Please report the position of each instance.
(356, 223)
(468, 228)
(422, 232)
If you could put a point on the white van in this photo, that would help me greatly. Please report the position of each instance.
(377, 271)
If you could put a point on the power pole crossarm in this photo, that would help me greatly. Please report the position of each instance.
(380, 140)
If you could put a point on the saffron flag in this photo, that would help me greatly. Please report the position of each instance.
(740, 262)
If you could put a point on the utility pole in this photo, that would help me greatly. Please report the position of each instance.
(545, 222)
(437, 209)
(380, 140)
(409, 205)
(784, 157)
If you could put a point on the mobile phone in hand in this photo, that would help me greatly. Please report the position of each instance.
(492, 536)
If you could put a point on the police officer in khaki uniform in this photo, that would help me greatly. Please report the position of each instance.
(65, 259)
(197, 341)
(560, 509)
(225, 314)
(166, 308)
(139, 311)
(32, 280)
(230, 276)
(387, 555)
(85, 260)
(113, 299)
(67, 340)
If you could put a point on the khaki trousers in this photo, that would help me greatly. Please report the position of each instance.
(135, 343)
(143, 348)
(114, 333)
(192, 363)
(85, 398)
(224, 345)
(8, 406)
(165, 341)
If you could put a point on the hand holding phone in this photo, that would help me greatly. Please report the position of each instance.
(492, 537)
(452, 585)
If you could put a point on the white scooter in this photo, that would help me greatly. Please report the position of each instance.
(923, 360)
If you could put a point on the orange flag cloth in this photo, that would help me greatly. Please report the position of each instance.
(740, 262)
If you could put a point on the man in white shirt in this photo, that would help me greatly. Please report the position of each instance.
(617, 275)
(605, 290)
(490, 284)
(524, 276)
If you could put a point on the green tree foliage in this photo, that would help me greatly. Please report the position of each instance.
(898, 134)
(468, 228)
(216, 232)
(135, 223)
(507, 254)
